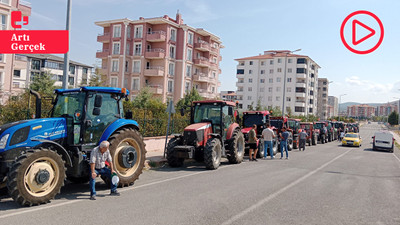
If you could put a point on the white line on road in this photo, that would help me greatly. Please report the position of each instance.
(276, 194)
(396, 157)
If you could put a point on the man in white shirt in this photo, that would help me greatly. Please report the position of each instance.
(268, 136)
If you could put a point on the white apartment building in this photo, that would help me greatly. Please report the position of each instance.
(322, 103)
(262, 78)
(333, 101)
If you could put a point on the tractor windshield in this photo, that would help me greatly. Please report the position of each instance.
(276, 123)
(69, 104)
(305, 126)
(250, 119)
(207, 113)
(318, 126)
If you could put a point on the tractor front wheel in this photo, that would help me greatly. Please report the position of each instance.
(212, 153)
(172, 160)
(128, 153)
(236, 148)
(36, 177)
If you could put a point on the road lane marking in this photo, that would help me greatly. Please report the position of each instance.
(38, 208)
(276, 194)
(396, 157)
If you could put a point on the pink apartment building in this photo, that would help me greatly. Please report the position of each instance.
(362, 111)
(8, 62)
(161, 53)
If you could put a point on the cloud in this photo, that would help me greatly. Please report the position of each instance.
(43, 17)
(370, 86)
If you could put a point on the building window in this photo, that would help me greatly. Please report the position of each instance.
(171, 69)
(3, 21)
(117, 31)
(190, 38)
(271, 71)
(299, 109)
(251, 63)
(240, 71)
(278, 79)
(262, 63)
(250, 80)
(71, 69)
(324, 89)
(279, 70)
(138, 49)
(17, 73)
(116, 48)
(323, 95)
(271, 62)
(170, 86)
(289, 89)
(187, 87)
(290, 60)
(301, 61)
(250, 89)
(278, 88)
(311, 92)
(301, 70)
(85, 71)
(262, 71)
(288, 99)
(15, 84)
(138, 31)
(115, 65)
(136, 66)
(279, 60)
(278, 98)
(250, 71)
(289, 80)
(135, 84)
(128, 31)
(173, 34)
(271, 80)
(289, 70)
(71, 80)
(212, 89)
(248, 97)
(188, 70)
(214, 74)
(189, 54)
(1, 57)
(310, 110)
(270, 89)
(114, 82)
(262, 81)
(126, 66)
(172, 51)
(128, 49)
(241, 63)
(35, 65)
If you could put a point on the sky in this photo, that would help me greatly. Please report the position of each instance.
(248, 28)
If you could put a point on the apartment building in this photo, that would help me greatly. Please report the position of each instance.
(161, 53)
(330, 111)
(228, 96)
(261, 78)
(7, 61)
(333, 102)
(386, 109)
(323, 86)
(361, 111)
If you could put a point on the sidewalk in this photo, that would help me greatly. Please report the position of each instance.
(155, 151)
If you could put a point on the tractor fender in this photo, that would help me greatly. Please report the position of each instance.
(58, 148)
(214, 135)
(231, 129)
(116, 125)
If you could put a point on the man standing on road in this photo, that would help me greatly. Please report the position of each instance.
(302, 139)
(98, 157)
(284, 137)
(268, 136)
(253, 143)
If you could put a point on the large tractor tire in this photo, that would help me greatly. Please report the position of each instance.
(129, 154)
(36, 177)
(260, 152)
(212, 153)
(290, 144)
(236, 148)
(199, 155)
(323, 139)
(171, 159)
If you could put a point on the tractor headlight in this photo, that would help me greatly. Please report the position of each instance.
(3, 141)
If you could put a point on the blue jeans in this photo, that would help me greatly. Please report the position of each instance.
(105, 172)
(270, 145)
(284, 145)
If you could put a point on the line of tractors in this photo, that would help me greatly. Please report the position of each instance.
(37, 155)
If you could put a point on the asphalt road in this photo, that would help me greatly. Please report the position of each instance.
(326, 184)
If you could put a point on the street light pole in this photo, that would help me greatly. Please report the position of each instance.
(340, 100)
(284, 82)
(66, 56)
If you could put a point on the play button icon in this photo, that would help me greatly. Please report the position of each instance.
(364, 38)
(354, 39)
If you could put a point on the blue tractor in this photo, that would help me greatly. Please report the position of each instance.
(37, 155)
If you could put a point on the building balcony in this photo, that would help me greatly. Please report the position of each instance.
(156, 36)
(156, 89)
(202, 62)
(205, 93)
(214, 50)
(300, 94)
(239, 83)
(303, 85)
(301, 76)
(102, 53)
(154, 71)
(202, 46)
(301, 66)
(300, 104)
(201, 77)
(104, 38)
(157, 53)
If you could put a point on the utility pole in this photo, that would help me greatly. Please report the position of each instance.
(66, 56)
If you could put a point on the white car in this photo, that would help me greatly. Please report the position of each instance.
(383, 140)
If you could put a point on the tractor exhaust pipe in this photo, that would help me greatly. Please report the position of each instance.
(38, 104)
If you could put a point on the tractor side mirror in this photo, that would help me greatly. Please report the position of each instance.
(96, 111)
(182, 111)
(98, 101)
(230, 111)
(128, 115)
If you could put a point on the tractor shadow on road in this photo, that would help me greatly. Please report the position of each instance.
(189, 165)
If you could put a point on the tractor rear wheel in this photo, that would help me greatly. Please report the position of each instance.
(172, 160)
(36, 177)
(128, 153)
(275, 148)
(236, 148)
(212, 153)
(260, 153)
(290, 144)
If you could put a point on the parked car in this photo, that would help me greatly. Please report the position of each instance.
(383, 140)
(351, 139)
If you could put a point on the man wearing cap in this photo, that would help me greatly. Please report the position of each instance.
(98, 158)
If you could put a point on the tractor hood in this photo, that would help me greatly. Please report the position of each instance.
(26, 133)
(246, 130)
(197, 126)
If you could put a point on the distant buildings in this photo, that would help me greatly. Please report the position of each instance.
(161, 53)
(261, 79)
(228, 96)
(361, 111)
(386, 109)
(333, 111)
(323, 85)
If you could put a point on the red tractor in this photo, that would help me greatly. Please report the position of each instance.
(259, 118)
(277, 123)
(313, 134)
(294, 126)
(322, 135)
(213, 133)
